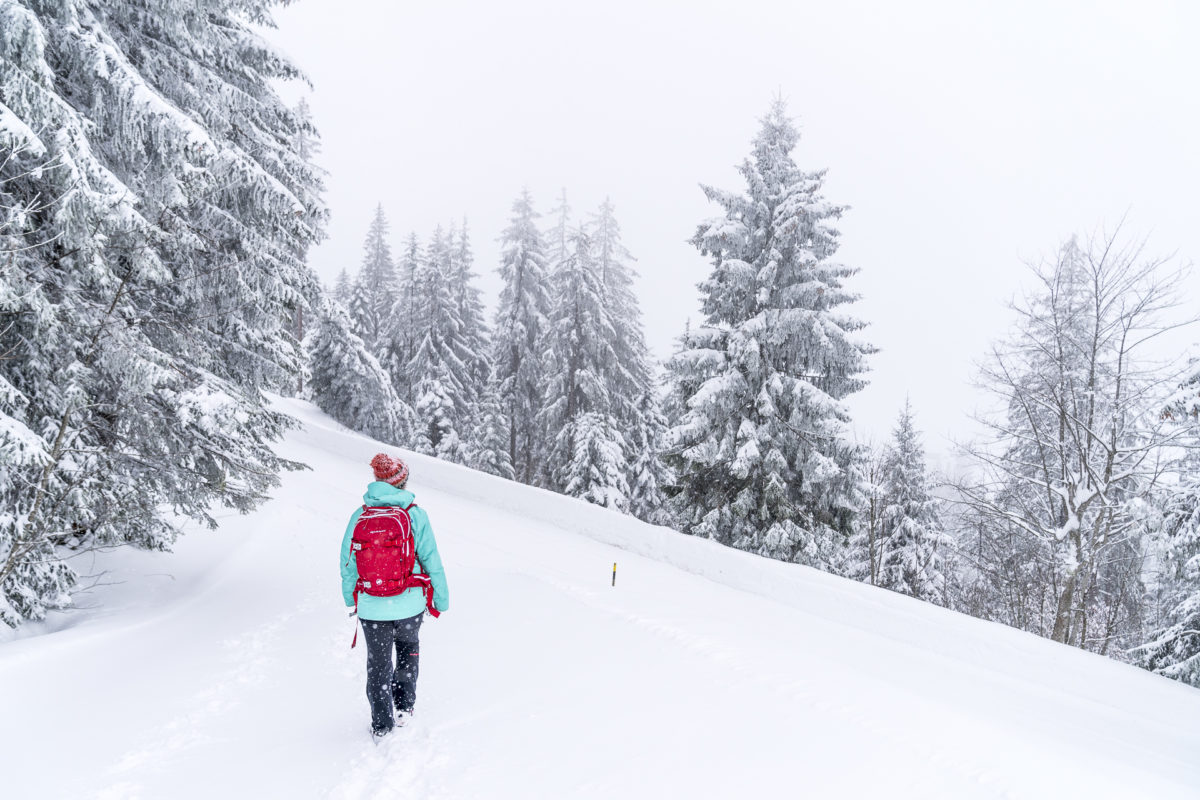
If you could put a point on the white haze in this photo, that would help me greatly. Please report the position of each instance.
(965, 140)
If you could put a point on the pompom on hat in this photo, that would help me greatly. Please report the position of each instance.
(390, 470)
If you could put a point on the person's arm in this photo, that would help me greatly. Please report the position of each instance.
(348, 564)
(427, 552)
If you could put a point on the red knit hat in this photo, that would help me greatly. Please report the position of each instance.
(390, 470)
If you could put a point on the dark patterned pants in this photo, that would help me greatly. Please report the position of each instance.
(391, 686)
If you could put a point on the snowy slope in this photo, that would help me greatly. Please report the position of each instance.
(224, 670)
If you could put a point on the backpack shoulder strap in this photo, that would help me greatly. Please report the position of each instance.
(416, 559)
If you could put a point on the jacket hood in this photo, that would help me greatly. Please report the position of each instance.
(384, 494)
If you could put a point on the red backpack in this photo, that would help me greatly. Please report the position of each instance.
(385, 552)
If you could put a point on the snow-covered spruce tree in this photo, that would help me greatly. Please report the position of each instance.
(596, 468)
(33, 577)
(521, 324)
(913, 544)
(438, 423)
(467, 297)
(360, 308)
(763, 458)
(586, 457)
(865, 556)
(558, 238)
(403, 322)
(436, 369)
(349, 385)
(630, 376)
(1173, 648)
(307, 142)
(489, 436)
(374, 291)
(343, 289)
(187, 117)
(649, 476)
(406, 274)
(158, 294)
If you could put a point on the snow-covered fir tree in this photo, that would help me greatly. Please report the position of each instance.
(404, 320)
(307, 142)
(520, 330)
(438, 423)
(410, 263)
(649, 476)
(361, 310)
(187, 116)
(489, 436)
(864, 559)
(343, 289)
(1174, 646)
(158, 292)
(475, 337)
(762, 452)
(32, 577)
(558, 237)
(630, 375)
(595, 469)
(349, 385)
(374, 292)
(913, 544)
(586, 457)
(436, 369)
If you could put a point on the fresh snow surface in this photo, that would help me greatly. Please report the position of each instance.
(224, 670)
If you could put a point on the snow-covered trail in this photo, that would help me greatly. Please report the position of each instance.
(226, 671)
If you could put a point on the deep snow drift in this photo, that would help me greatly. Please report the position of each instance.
(224, 670)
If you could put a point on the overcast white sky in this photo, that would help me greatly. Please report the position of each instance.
(965, 137)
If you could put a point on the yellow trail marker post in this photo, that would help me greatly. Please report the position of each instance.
(614, 583)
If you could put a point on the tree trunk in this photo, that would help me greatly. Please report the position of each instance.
(1062, 616)
(1080, 627)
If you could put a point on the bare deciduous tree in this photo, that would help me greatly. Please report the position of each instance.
(1075, 449)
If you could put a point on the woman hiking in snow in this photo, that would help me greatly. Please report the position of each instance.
(391, 574)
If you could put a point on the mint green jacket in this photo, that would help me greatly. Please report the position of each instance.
(412, 602)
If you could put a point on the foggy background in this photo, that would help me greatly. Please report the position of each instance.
(965, 141)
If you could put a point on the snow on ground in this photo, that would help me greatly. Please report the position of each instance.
(224, 670)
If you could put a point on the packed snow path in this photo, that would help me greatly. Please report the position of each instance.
(224, 670)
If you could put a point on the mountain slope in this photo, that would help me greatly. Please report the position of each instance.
(224, 669)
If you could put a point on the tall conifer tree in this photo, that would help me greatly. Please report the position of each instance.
(467, 297)
(913, 546)
(521, 328)
(343, 289)
(157, 293)
(436, 368)
(1174, 646)
(558, 238)
(648, 474)
(629, 374)
(586, 457)
(762, 450)
(375, 290)
(403, 329)
(349, 385)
